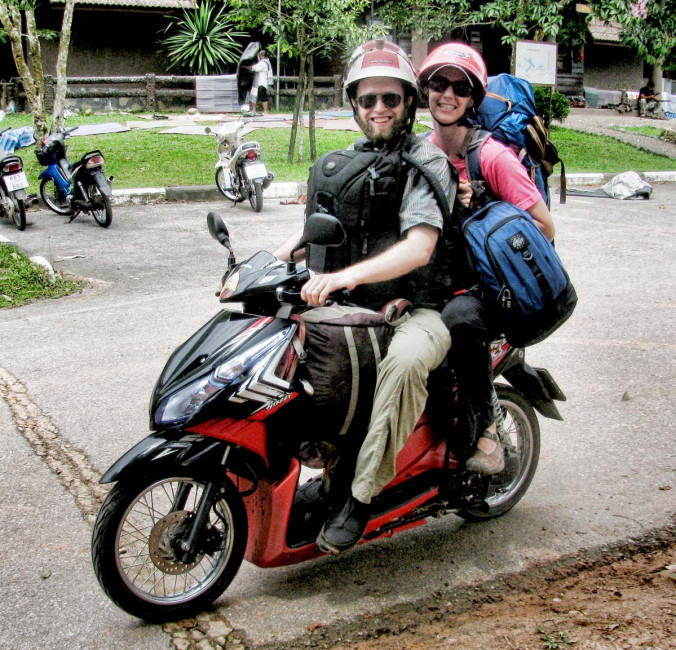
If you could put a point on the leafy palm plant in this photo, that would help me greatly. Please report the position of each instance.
(204, 42)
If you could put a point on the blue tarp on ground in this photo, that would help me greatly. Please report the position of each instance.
(15, 139)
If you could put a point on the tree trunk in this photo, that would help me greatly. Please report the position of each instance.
(61, 65)
(519, 20)
(297, 109)
(10, 17)
(311, 107)
(301, 137)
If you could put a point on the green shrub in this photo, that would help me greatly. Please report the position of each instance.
(558, 109)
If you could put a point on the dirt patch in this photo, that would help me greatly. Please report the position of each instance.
(620, 597)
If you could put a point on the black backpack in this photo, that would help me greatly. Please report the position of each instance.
(364, 188)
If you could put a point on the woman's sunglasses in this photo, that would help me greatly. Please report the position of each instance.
(461, 88)
(391, 100)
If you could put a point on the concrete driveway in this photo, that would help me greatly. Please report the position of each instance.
(76, 375)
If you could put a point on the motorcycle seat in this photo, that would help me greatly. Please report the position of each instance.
(66, 168)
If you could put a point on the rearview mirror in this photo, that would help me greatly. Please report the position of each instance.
(323, 230)
(218, 230)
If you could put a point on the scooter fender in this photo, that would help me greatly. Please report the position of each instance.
(101, 182)
(177, 449)
(537, 386)
(20, 194)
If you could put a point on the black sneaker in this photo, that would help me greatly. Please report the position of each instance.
(344, 528)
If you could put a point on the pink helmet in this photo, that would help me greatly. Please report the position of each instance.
(379, 59)
(460, 56)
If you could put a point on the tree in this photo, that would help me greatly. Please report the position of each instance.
(430, 19)
(306, 29)
(15, 15)
(647, 26)
(204, 40)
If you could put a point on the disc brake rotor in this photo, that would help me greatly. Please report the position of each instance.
(163, 540)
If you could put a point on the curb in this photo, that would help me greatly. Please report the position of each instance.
(593, 178)
(198, 193)
(190, 193)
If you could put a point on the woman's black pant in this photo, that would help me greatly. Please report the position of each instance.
(470, 358)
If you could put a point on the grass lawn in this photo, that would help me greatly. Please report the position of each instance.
(643, 130)
(22, 282)
(146, 158)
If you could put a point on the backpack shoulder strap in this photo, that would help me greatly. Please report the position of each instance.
(475, 140)
(443, 200)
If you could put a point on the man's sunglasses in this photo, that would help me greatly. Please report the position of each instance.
(461, 88)
(391, 100)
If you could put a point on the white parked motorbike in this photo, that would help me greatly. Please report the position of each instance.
(240, 174)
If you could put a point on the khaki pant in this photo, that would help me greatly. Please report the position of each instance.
(418, 346)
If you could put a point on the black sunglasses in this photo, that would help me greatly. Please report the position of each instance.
(391, 100)
(461, 88)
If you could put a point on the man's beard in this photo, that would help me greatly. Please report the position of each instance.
(397, 128)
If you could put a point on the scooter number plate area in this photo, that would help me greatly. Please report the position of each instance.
(255, 171)
(15, 182)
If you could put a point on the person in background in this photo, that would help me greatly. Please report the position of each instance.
(453, 78)
(649, 102)
(263, 78)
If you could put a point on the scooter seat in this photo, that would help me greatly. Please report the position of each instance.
(66, 168)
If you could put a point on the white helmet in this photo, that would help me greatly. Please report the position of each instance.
(379, 59)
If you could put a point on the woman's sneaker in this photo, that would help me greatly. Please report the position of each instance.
(487, 464)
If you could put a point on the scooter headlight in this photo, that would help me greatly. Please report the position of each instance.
(189, 400)
(182, 404)
(230, 286)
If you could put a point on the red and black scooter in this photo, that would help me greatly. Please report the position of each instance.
(219, 480)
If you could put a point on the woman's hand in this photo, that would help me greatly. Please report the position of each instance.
(465, 193)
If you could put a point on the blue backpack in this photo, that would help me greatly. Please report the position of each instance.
(524, 282)
(508, 114)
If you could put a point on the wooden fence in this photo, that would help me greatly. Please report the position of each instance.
(153, 92)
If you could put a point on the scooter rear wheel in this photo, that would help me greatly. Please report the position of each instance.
(15, 206)
(521, 436)
(54, 198)
(136, 546)
(256, 195)
(19, 215)
(103, 212)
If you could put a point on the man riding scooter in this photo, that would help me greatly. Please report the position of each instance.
(381, 86)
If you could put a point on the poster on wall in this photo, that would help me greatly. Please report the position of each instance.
(536, 62)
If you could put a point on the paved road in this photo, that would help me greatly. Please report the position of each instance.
(76, 374)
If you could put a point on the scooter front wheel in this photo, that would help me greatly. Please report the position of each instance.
(521, 441)
(53, 197)
(224, 186)
(137, 546)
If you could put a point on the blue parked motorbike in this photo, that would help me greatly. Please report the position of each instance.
(70, 189)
